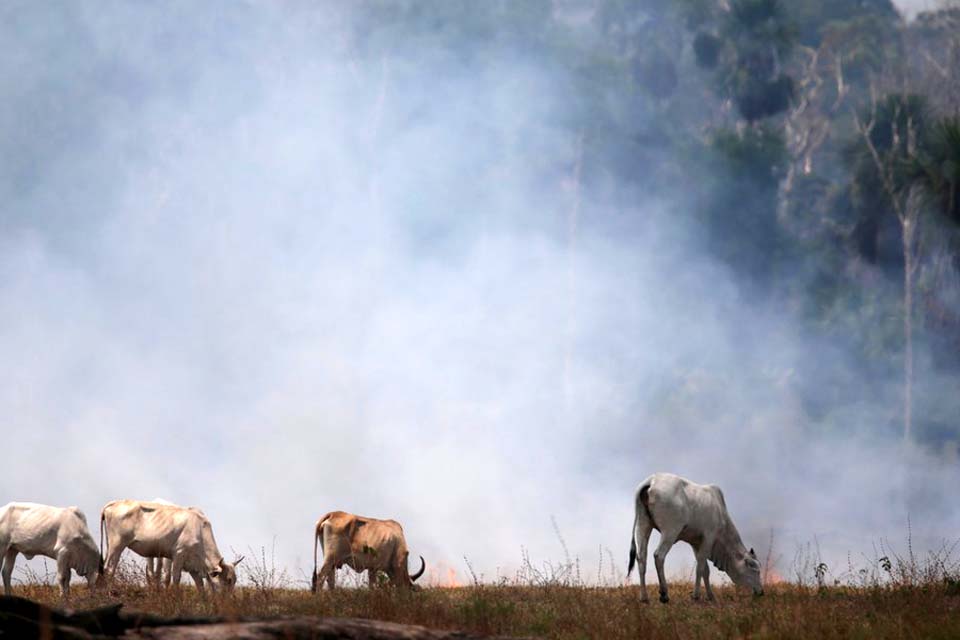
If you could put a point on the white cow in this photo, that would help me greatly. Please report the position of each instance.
(58, 533)
(158, 568)
(155, 530)
(697, 514)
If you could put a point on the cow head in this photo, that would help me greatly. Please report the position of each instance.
(97, 577)
(226, 573)
(745, 572)
(94, 579)
(87, 562)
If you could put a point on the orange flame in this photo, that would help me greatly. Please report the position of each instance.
(772, 576)
(443, 577)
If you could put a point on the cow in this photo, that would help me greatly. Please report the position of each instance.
(58, 533)
(697, 514)
(363, 544)
(154, 530)
(158, 569)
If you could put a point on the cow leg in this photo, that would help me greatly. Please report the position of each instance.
(667, 539)
(63, 574)
(8, 559)
(372, 578)
(705, 574)
(641, 536)
(153, 574)
(198, 580)
(115, 548)
(166, 570)
(176, 568)
(699, 573)
(328, 572)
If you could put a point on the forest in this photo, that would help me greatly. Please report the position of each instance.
(814, 146)
(481, 266)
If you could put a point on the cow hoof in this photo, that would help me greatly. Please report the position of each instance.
(664, 598)
(696, 597)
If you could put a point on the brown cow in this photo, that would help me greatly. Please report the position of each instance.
(363, 544)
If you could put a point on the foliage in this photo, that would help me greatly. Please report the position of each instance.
(737, 117)
(812, 17)
(936, 168)
(739, 203)
(706, 47)
(896, 121)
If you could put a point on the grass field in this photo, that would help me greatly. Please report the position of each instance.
(786, 611)
(891, 596)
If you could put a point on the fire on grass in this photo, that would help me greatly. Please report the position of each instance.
(442, 576)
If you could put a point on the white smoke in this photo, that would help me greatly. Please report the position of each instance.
(249, 267)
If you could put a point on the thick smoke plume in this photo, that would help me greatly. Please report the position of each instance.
(248, 264)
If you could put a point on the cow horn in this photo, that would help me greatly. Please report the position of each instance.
(423, 567)
(238, 560)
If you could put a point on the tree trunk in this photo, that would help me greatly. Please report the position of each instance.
(909, 221)
(908, 260)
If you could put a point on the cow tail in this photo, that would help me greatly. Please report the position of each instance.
(317, 540)
(313, 577)
(641, 502)
(103, 521)
(643, 496)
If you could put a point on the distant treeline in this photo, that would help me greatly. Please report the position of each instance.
(813, 144)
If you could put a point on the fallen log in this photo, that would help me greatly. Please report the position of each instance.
(23, 618)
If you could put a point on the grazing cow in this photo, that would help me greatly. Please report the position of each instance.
(363, 544)
(697, 514)
(158, 569)
(58, 533)
(154, 530)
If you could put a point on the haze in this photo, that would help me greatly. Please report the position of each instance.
(248, 265)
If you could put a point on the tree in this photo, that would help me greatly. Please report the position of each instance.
(813, 16)
(888, 136)
(738, 207)
(762, 38)
(936, 168)
(746, 46)
(936, 173)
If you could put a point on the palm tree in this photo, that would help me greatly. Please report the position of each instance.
(936, 168)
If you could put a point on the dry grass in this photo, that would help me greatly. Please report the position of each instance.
(787, 611)
(896, 595)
